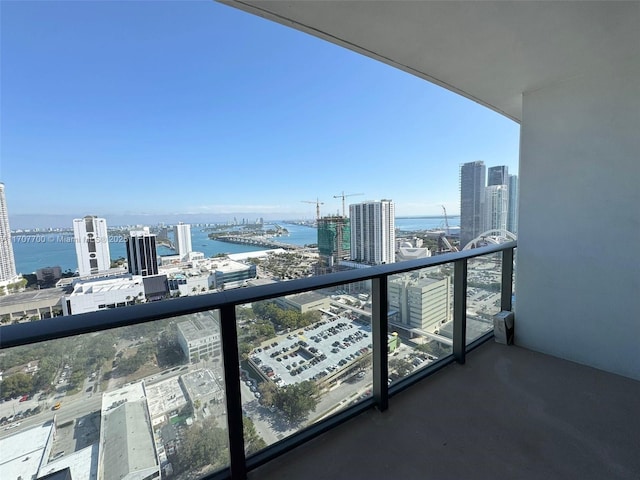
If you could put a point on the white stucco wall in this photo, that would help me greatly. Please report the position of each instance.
(578, 278)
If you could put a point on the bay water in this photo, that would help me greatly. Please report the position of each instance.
(32, 252)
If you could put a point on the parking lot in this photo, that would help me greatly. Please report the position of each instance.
(315, 352)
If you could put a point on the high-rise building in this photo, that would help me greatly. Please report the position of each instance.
(92, 244)
(498, 175)
(7, 261)
(141, 253)
(512, 221)
(334, 241)
(182, 236)
(373, 232)
(496, 207)
(472, 183)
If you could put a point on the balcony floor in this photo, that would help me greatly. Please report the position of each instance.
(508, 413)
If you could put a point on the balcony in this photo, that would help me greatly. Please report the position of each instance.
(568, 73)
(146, 382)
(507, 413)
(498, 410)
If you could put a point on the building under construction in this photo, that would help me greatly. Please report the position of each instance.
(334, 242)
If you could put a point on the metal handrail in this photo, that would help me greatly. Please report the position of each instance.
(60, 327)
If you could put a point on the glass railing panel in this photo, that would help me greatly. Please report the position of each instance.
(303, 358)
(420, 319)
(484, 281)
(147, 400)
(513, 281)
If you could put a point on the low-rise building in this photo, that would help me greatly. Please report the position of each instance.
(406, 251)
(230, 274)
(201, 275)
(304, 302)
(189, 282)
(22, 454)
(199, 337)
(127, 448)
(204, 386)
(164, 398)
(31, 305)
(48, 275)
(422, 303)
(103, 293)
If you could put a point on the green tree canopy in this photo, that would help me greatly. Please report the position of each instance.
(401, 366)
(16, 385)
(253, 442)
(204, 444)
(297, 400)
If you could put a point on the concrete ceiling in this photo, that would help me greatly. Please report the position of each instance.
(489, 51)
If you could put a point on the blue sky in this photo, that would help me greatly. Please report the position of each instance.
(194, 107)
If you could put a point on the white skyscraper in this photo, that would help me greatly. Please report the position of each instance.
(373, 232)
(7, 262)
(496, 207)
(92, 244)
(182, 235)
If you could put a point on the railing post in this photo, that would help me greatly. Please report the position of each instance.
(379, 330)
(460, 310)
(507, 280)
(231, 363)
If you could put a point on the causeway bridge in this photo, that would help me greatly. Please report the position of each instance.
(258, 241)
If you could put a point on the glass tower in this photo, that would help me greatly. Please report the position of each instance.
(472, 183)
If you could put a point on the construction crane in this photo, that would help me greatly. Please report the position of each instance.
(446, 220)
(343, 196)
(318, 203)
(443, 242)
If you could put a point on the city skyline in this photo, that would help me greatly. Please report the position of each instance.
(276, 104)
(489, 199)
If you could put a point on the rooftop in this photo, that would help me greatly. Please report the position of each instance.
(31, 296)
(83, 464)
(21, 454)
(198, 325)
(128, 446)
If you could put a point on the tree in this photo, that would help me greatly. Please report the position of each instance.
(312, 316)
(401, 366)
(434, 348)
(204, 444)
(197, 404)
(244, 349)
(253, 442)
(268, 392)
(15, 385)
(364, 361)
(77, 378)
(297, 400)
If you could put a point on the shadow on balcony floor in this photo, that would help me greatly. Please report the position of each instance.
(509, 413)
